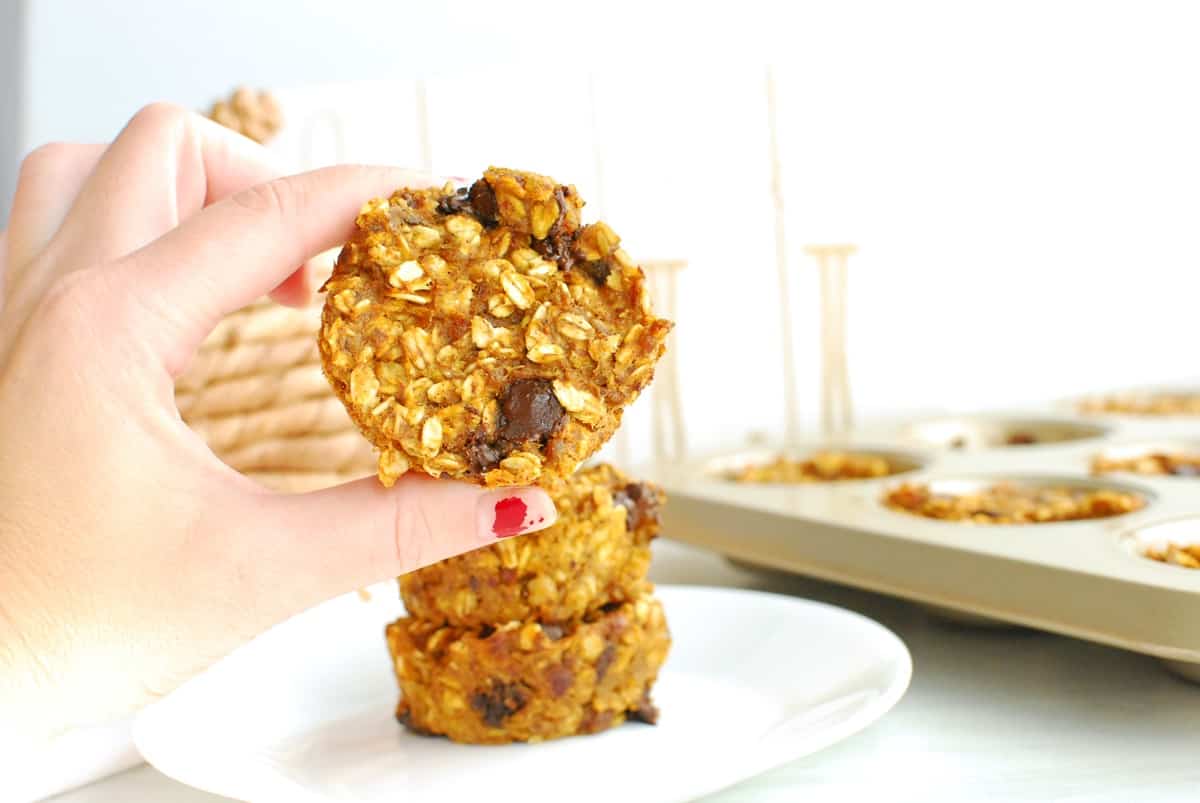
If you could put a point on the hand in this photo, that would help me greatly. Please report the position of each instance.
(131, 558)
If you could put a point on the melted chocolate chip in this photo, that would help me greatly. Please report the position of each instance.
(558, 241)
(478, 201)
(498, 703)
(483, 454)
(483, 203)
(597, 270)
(529, 411)
(605, 661)
(456, 204)
(640, 502)
(560, 679)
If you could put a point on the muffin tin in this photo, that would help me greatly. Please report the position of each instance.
(1086, 578)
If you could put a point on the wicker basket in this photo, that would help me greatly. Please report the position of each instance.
(256, 394)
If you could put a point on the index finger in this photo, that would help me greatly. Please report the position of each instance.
(236, 250)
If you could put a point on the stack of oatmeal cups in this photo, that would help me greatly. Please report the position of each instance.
(550, 634)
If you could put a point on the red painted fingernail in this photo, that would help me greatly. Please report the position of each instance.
(510, 517)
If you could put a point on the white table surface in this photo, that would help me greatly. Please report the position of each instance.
(991, 715)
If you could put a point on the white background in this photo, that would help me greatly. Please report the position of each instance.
(1022, 178)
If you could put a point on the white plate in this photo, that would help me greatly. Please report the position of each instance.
(304, 713)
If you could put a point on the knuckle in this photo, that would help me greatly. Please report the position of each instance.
(158, 115)
(273, 198)
(42, 158)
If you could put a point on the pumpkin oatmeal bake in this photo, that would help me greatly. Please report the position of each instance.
(524, 681)
(1010, 503)
(826, 466)
(596, 554)
(486, 333)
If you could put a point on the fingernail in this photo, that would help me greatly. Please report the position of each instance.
(511, 511)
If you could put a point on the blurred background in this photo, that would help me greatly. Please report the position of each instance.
(1022, 179)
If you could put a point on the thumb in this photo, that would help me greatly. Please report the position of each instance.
(332, 541)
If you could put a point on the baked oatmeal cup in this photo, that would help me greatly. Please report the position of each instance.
(597, 553)
(527, 682)
(485, 333)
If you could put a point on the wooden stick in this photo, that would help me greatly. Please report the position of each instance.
(424, 141)
(843, 374)
(791, 422)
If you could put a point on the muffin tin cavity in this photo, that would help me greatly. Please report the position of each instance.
(1164, 459)
(992, 432)
(1173, 543)
(1004, 500)
(1179, 402)
(825, 465)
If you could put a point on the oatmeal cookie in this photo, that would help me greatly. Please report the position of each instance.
(486, 334)
(529, 682)
(597, 553)
(1009, 503)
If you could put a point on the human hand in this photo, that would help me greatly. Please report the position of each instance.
(131, 558)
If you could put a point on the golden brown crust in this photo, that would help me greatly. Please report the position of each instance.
(484, 334)
(1149, 404)
(828, 466)
(1005, 503)
(528, 682)
(597, 553)
(1152, 463)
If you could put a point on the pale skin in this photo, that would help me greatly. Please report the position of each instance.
(131, 558)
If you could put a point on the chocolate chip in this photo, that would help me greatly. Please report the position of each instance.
(560, 679)
(645, 712)
(499, 702)
(478, 200)
(605, 661)
(529, 411)
(486, 631)
(558, 241)
(483, 203)
(483, 454)
(553, 632)
(597, 270)
(1021, 439)
(609, 607)
(640, 502)
(456, 204)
